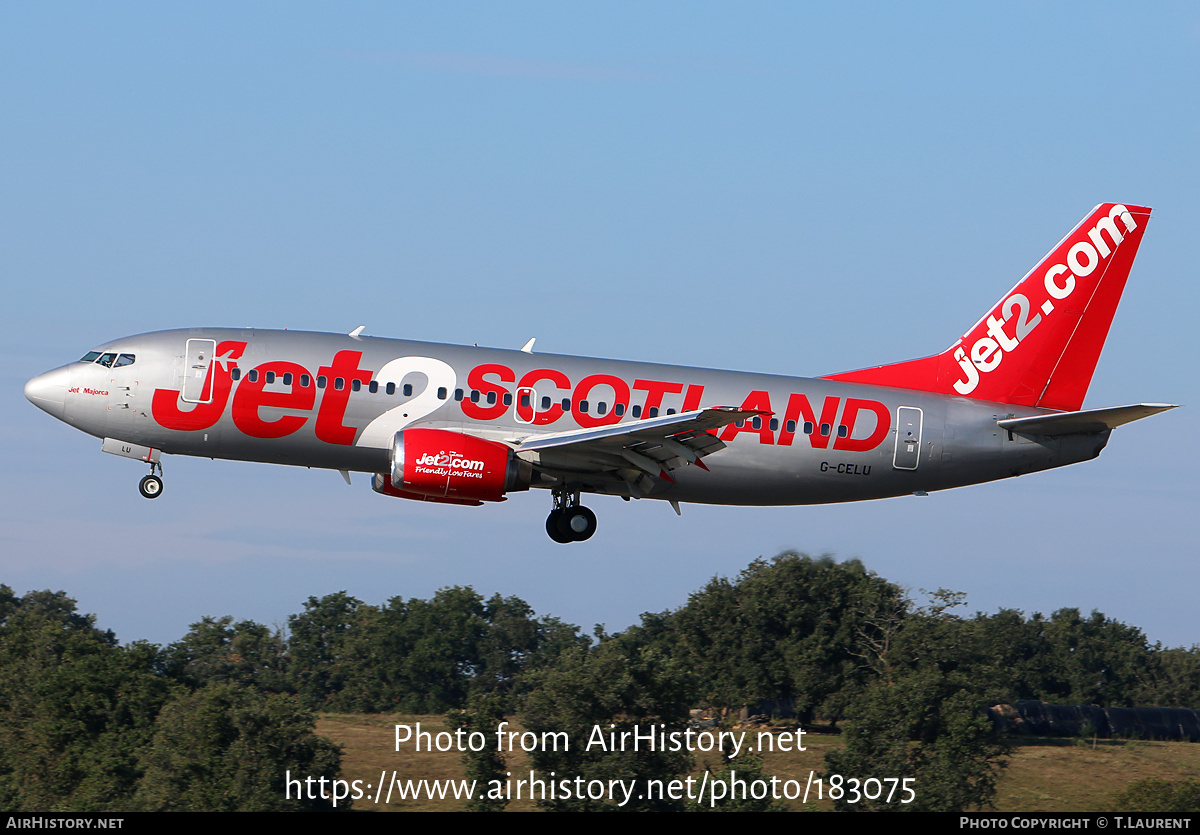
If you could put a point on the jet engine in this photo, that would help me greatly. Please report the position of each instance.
(452, 467)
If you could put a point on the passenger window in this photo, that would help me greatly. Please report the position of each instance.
(305, 380)
(524, 401)
(545, 403)
(287, 378)
(236, 374)
(339, 383)
(636, 411)
(408, 390)
(583, 406)
(791, 427)
(619, 409)
(601, 408)
(390, 388)
(825, 429)
(474, 396)
(507, 398)
(774, 424)
(373, 387)
(566, 404)
(356, 384)
(808, 427)
(321, 382)
(756, 422)
(653, 411)
(442, 393)
(270, 376)
(843, 431)
(458, 395)
(670, 411)
(491, 398)
(253, 375)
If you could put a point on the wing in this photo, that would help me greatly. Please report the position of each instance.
(635, 457)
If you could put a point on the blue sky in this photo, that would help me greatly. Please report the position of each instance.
(789, 188)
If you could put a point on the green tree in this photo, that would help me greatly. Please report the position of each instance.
(420, 656)
(1176, 679)
(225, 748)
(924, 719)
(609, 689)
(329, 645)
(489, 766)
(791, 628)
(75, 708)
(217, 650)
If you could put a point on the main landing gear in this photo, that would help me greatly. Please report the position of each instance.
(569, 521)
(151, 486)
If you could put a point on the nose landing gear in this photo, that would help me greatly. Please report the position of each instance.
(569, 521)
(151, 486)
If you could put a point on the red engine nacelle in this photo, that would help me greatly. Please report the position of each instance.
(440, 465)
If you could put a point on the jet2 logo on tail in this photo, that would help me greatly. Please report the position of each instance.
(1085, 254)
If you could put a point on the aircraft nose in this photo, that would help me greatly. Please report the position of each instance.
(49, 391)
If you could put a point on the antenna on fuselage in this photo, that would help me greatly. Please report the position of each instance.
(529, 345)
(354, 334)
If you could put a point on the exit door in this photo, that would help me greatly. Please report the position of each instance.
(908, 438)
(197, 370)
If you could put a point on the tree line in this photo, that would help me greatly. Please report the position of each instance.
(214, 719)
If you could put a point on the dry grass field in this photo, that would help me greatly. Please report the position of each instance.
(1042, 775)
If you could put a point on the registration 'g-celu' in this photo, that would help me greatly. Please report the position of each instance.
(459, 425)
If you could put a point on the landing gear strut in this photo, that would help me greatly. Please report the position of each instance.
(569, 521)
(151, 486)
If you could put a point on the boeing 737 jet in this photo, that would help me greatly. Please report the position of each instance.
(467, 425)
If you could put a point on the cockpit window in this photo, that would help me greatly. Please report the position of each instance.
(109, 360)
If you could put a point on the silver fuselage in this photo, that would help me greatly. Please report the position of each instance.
(344, 398)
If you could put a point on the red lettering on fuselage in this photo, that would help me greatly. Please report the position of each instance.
(477, 382)
(251, 395)
(531, 413)
(541, 397)
(620, 397)
(883, 422)
(334, 402)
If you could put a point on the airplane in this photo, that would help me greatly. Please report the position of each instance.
(467, 425)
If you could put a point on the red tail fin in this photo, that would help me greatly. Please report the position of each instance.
(1039, 344)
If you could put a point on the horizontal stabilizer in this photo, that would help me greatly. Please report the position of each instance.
(1080, 423)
